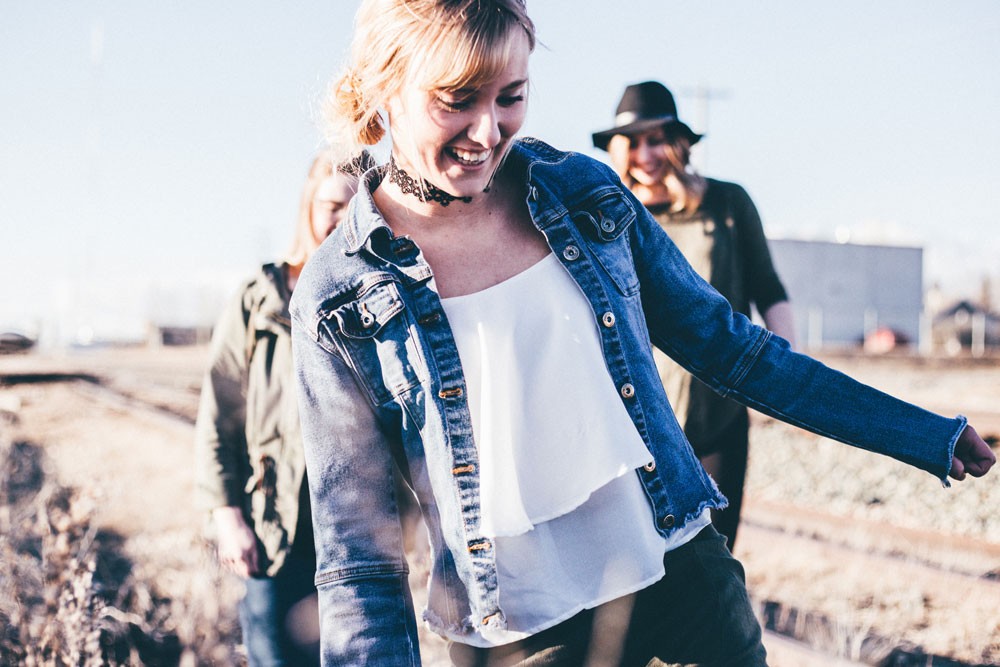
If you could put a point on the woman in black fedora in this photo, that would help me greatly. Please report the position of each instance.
(717, 228)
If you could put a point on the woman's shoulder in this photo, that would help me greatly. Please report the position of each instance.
(534, 151)
(336, 268)
(264, 284)
(725, 196)
(727, 189)
(562, 172)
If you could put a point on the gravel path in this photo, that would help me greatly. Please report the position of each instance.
(877, 499)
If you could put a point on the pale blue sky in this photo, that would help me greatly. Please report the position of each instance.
(151, 153)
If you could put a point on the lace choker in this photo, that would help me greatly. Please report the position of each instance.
(426, 192)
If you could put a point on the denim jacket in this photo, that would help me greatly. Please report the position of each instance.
(380, 381)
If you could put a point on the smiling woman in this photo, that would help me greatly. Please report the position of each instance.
(482, 319)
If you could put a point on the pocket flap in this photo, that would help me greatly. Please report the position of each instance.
(607, 218)
(366, 316)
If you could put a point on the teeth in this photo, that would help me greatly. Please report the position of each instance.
(470, 157)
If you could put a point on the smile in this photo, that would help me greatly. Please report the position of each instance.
(470, 158)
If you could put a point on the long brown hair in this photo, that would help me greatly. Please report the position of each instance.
(304, 243)
(684, 186)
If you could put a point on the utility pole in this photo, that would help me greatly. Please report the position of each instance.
(703, 96)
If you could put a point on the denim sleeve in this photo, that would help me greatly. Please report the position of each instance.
(366, 612)
(696, 327)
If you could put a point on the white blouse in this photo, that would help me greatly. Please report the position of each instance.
(568, 516)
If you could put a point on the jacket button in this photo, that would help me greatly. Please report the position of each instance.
(710, 226)
(667, 521)
(608, 319)
(607, 225)
(628, 391)
(650, 467)
(571, 252)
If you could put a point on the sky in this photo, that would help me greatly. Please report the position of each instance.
(152, 153)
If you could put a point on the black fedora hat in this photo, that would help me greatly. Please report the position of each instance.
(644, 106)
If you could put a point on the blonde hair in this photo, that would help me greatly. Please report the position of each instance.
(305, 241)
(436, 44)
(685, 187)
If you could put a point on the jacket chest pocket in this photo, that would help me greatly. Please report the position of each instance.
(377, 337)
(605, 224)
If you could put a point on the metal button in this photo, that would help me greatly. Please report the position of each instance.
(571, 252)
(607, 225)
(650, 467)
(667, 521)
(710, 226)
(367, 319)
(480, 545)
(608, 319)
(628, 391)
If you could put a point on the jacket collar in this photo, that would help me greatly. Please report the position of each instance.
(272, 294)
(363, 218)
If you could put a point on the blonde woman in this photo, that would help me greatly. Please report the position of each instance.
(250, 465)
(483, 318)
(717, 228)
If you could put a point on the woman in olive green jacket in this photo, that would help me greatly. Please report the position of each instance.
(250, 466)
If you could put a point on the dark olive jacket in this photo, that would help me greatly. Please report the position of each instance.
(248, 439)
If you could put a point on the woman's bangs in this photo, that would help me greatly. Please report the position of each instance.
(465, 60)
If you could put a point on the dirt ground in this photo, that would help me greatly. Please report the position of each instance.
(854, 553)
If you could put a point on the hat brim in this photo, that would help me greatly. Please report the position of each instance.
(601, 139)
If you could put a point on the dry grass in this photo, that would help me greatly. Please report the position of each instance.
(71, 594)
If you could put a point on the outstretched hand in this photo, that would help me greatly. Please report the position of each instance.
(972, 455)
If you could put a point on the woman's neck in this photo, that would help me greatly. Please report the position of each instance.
(652, 195)
(423, 190)
(403, 208)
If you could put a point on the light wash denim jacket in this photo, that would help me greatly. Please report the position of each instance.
(380, 381)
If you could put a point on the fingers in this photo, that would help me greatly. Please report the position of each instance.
(980, 466)
(972, 455)
(957, 471)
(242, 564)
(250, 562)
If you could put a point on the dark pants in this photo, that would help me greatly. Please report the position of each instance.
(280, 618)
(726, 462)
(698, 614)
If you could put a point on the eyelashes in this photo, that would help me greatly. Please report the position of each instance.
(461, 104)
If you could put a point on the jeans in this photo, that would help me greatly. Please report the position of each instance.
(698, 614)
(279, 617)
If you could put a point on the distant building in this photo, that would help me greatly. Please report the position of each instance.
(842, 292)
(966, 325)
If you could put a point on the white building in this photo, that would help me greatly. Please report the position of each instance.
(842, 291)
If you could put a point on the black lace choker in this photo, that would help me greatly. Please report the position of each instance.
(428, 192)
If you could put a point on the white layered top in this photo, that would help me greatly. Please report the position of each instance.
(568, 516)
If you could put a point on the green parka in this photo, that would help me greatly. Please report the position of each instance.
(248, 440)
